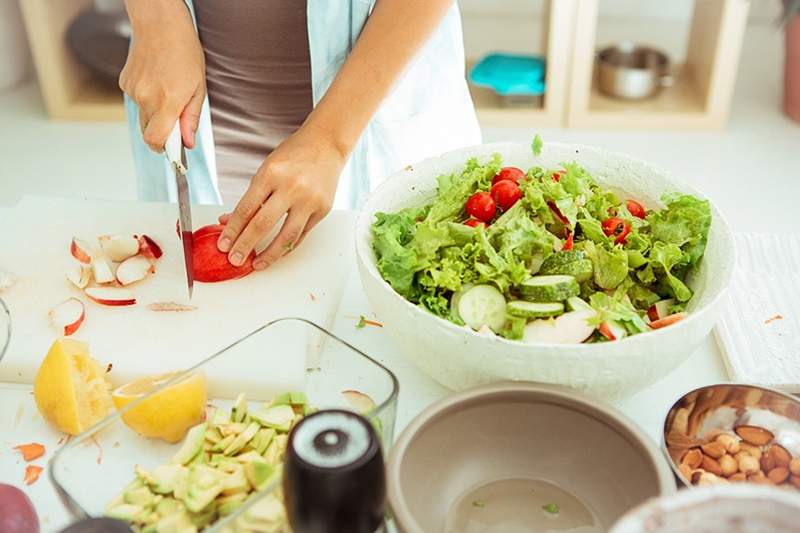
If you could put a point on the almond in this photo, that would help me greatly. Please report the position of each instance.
(707, 478)
(692, 458)
(759, 478)
(738, 476)
(754, 451)
(748, 464)
(795, 480)
(767, 462)
(730, 442)
(685, 471)
(780, 455)
(711, 465)
(794, 466)
(778, 474)
(728, 465)
(755, 435)
(696, 476)
(713, 449)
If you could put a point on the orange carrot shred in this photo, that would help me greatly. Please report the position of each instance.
(373, 323)
(31, 451)
(32, 474)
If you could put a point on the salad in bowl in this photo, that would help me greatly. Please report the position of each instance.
(544, 253)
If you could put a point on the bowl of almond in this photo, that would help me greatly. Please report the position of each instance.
(732, 433)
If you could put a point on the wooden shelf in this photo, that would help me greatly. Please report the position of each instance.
(701, 94)
(69, 90)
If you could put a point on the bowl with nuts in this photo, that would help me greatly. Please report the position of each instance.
(732, 433)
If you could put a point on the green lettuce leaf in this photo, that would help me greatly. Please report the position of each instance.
(617, 308)
(664, 258)
(610, 264)
(455, 189)
(536, 144)
(397, 261)
(685, 223)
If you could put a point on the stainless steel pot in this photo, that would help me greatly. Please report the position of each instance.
(632, 72)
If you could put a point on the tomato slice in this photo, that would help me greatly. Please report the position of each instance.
(635, 208)
(569, 243)
(616, 227)
(556, 176)
(482, 206)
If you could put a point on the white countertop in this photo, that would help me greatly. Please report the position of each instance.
(417, 391)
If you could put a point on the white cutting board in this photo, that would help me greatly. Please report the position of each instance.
(308, 283)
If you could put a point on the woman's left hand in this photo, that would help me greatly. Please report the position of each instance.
(298, 179)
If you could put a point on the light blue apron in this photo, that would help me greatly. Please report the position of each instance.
(428, 112)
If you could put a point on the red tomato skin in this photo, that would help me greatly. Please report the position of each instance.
(508, 173)
(616, 226)
(554, 208)
(506, 193)
(482, 206)
(635, 208)
(474, 223)
(556, 176)
(569, 243)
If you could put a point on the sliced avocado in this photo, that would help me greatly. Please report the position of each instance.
(228, 504)
(204, 486)
(176, 523)
(141, 496)
(234, 428)
(258, 473)
(244, 458)
(151, 528)
(284, 398)
(165, 476)
(143, 475)
(192, 444)
(181, 484)
(199, 459)
(224, 443)
(277, 417)
(242, 439)
(220, 417)
(218, 459)
(239, 410)
(268, 511)
(213, 435)
(169, 506)
(204, 517)
(262, 440)
(274, 453)
(234, 479)
(298, 398)
(308, 410)
(126, 512)
(147, 515)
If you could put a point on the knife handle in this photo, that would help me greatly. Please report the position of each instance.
(174, 144)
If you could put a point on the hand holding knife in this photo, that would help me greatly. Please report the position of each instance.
(176, 155)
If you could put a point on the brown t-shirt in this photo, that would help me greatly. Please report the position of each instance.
(258, 72)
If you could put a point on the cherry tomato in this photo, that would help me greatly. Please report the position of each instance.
(618, 227)
(506, 193)
(635, 208)
(569, 243)
(508, 173)
(474, 223)
(556, 176)
(481, 206)
(554, 208)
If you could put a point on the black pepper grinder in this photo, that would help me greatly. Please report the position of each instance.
(334, 478)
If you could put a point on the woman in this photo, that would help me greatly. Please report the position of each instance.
(308, 100)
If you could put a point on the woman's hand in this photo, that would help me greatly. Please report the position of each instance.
(165, 70)
(298, 179)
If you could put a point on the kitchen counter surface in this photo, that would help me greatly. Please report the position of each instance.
(417, 391)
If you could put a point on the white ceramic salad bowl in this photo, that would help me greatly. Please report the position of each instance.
(459, 358)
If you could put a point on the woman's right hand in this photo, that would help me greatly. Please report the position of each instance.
(165, 70)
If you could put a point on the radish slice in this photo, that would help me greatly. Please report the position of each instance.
(102, 270)
(67, 316)
(359, 401)
(667, 320)
(79, 275)
(170, 306)
(119, 247)
(7, 279)
(111, 296)
(149, 248)
(569, 328)
(81, 250)
(660, 309)
(133, 269)
(612, 330)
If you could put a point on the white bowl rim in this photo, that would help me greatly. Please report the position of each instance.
(366, 255)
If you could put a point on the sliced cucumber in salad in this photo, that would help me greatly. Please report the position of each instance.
(524, 309)
(555, 288)
(482, 305)
(568, 262)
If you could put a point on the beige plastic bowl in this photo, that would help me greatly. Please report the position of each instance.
(540, 436)
(459, 358)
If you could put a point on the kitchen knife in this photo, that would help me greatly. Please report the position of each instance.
(176, 155)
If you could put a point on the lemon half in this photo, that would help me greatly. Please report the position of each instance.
(70, 388)
(168, 414)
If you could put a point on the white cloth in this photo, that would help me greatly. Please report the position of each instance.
(428, 112)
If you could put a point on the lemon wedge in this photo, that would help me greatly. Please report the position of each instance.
(70, 388)
(169, 413)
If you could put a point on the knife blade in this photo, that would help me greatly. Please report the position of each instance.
(176, 155)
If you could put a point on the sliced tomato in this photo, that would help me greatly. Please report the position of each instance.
(569, 243)
(474, 223)
(482, 206)
(552, 205)
(616, 227)
(506, 193)
(635, 208)
(556, 176)
(508, 173)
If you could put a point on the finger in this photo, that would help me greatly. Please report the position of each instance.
(190, 118)
(284, 242)
(245, 210)
(224, 218)
(258, 228)
(144, 118)
(157, 130)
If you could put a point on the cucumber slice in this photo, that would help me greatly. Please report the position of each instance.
(483, 304)
(534, 310)
(555, 288)
(571, 263)
(578, 304)
(456, 298)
